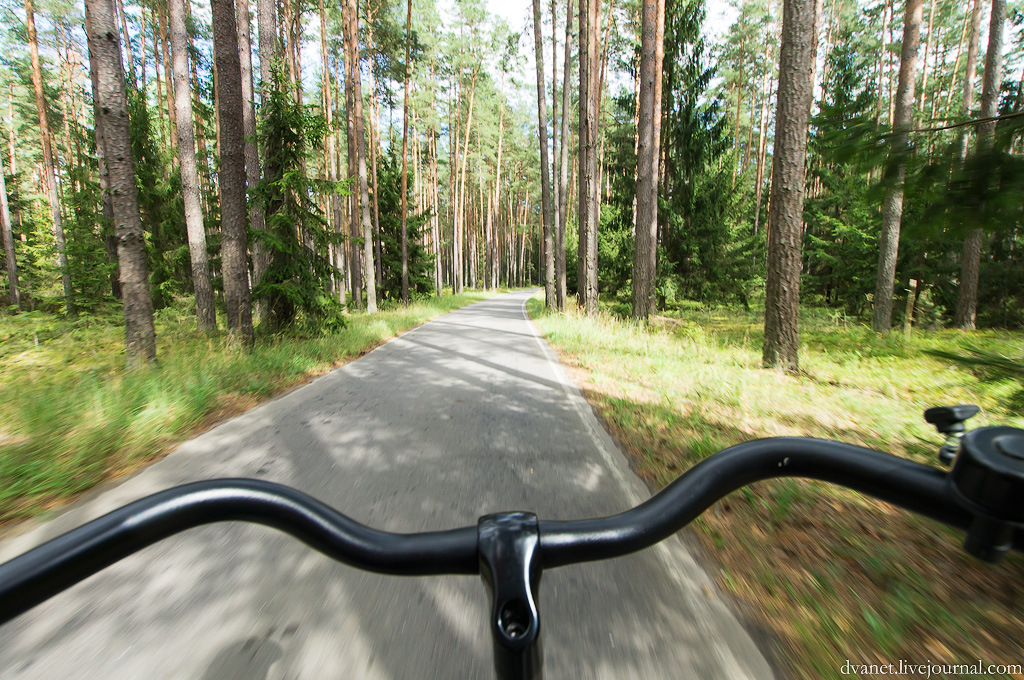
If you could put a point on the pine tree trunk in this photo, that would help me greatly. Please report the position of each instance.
(374, 145)
(892, 208)
(497, 185)
(160, 96)
(269, 54)
(257, 217)
(360, 144)
(970, 262)
(563, 179)
(234, 244)
(588, 142)
(405, 155)
(13, 290)
(49, 171)
(436, 218)
(645, 250)
(165, 52)
(205, 310)
(796, 84)
(129, 55)
(461, 210)
(350, 57)
(112, 107)
(556, 189)
(762, 149)
(331, 160)
(545, 180)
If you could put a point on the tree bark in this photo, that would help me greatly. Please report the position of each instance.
(13, 290)
(645, 249)
(970, 261)
(587, 209)
(234, 245)
(165, 53)
(545, 180)
(257, 216)
(205, 310)
(796, 84)
(374, 145)
(360, 139)
(270, 55)
(351, 52)
(892, 209)
(112, 107)
(331, 160)
(563, 179)
(405, 155)
(49, 170)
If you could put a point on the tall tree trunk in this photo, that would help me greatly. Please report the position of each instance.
(970, 261)
(924, 58)
(563, 178)
(350, 53)
(234, 245)
(49, 171)
(645, 250)
(497, 182)
(165, 53)
(588, 142)
(892, 209)
(13, 290)
(270, 54)
(156, 68)
(460, 202)
(360, 143)
(556, 188)
(374, 145)
(762, 150)
(545, 180)
(405, 155)
(436, 216)
(108, 230)
(257, 216)
(796, 84)
(112, 110)
(331, 164)
(205, 310)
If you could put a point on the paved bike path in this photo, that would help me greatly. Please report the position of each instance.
(465, 415)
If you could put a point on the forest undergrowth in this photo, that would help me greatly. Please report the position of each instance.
(74, 416)
(834, 575)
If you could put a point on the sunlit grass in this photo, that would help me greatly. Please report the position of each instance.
(832, 574)
(73, 416)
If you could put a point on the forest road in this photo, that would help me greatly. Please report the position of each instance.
(468, 414)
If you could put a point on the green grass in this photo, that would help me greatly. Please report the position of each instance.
(74, 416)
(833, 574)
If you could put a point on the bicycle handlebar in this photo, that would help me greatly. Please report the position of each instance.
(511, 549)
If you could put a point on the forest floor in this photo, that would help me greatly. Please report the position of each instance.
(834, 576)
(73, 416)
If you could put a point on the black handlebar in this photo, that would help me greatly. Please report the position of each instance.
(510, 550)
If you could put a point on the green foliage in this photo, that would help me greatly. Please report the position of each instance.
(990, 367)
(420, 264)
(708, 251)
(840, 245)
(297, 235)
(162, 207)
(84, 228)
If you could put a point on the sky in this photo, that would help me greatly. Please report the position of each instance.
(721, 14)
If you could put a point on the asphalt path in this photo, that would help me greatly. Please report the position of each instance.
(466, 415)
